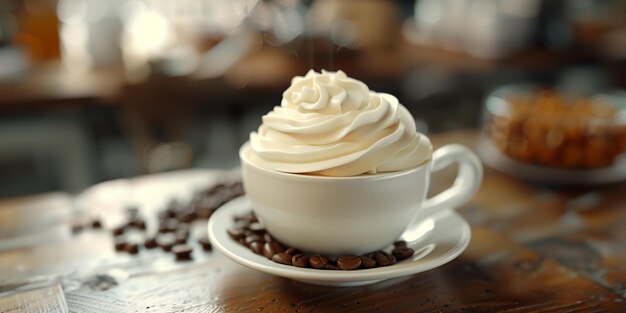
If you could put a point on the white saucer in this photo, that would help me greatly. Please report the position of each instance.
(437, 240)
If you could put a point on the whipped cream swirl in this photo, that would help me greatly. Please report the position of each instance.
(330, 124)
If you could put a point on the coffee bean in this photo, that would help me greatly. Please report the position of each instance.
(182, 252)
(282, 258)
(169, 225)
(300, 260)
(96, 224)
(318, 261)
(150, 243)
(118, 231)
(292, 251)
(205, 243)
(131, 248)
(253, 238)
(208, 204)
(236, 189)
(214, 189)
(236, 233)
(77, 228)
(402, 253)
(173, 209)
(204, 213)
(166, 241)
(257, 247)
(169, 213)
(383, 258)
(137, 223)
(332, 267)
(271, 248)
(222, 196)
(181, 236)
(367, 262)
(186, 216)
(400, 243)
(348, 262)
(120, 244)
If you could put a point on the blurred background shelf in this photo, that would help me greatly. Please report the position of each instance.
(149, 86)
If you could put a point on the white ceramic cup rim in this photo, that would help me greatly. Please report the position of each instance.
(377, 176)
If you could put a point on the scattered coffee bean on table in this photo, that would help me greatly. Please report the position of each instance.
(205, 243)
(120, 244)
(118, 231)
(168, 226)
(131, 248)
(174, 223)
(137, 223)
(187, 216)
(182, 252)
(77, 228)
(166, 241)
(150, 243)
(181, 236)
(96, 224)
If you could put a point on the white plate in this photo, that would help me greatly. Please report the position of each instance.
(494, 158)
(436, 240)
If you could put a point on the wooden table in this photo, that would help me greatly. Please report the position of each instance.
(533, 249)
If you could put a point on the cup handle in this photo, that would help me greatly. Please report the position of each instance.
(467, 181)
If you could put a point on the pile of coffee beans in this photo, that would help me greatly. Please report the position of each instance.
(248, 232)
(548, 129)
(173, 225)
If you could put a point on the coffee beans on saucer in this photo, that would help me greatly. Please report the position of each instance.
(402, 253)
(348, 262)
(318, 262)
(247, 231)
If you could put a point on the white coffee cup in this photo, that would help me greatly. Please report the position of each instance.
(358, 214)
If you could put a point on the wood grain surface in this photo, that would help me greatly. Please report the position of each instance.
(533, 248)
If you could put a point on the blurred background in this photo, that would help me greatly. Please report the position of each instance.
(93, 90)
